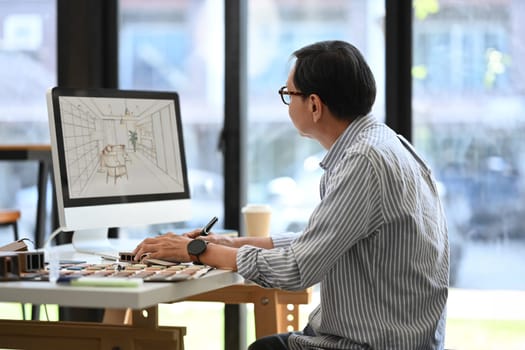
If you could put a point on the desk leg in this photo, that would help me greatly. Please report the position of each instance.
(273, 317)
(117, 316)
(288, 318)
(144, 318)
(266, 314)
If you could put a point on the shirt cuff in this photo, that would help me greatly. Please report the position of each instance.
(247, 261)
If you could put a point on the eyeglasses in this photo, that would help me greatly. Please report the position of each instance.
(286, 95)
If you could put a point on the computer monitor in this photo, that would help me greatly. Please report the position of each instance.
(118, 160)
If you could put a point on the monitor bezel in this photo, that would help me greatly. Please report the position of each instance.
(58, 141)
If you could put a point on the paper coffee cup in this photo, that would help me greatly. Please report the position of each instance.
(257, 219)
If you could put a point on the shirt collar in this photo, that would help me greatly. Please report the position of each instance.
(345, 140)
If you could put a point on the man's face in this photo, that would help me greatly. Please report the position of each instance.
(298, 109)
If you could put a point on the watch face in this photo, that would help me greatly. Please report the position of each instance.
(197, 247)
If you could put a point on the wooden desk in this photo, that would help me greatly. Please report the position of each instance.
(42, 155)
(276, 311)
(143, 333)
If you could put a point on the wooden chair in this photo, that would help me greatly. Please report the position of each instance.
(9, 217)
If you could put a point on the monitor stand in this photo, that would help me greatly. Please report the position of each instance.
(94, 241)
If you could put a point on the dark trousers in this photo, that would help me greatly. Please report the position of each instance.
(277, 341)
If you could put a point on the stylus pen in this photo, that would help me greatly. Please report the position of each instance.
(206, 229)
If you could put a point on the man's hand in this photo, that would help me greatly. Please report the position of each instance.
(173, 247)
(169, 246)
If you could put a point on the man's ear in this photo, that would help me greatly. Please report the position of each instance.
(316, 107)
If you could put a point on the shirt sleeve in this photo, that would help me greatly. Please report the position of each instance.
(346, 214)
(284, 239)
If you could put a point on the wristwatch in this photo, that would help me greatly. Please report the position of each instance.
(196, 247)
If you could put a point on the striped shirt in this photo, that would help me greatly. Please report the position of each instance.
(377, 244)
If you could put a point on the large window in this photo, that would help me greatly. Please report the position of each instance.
(27, 70)
(469, 110)
(283, 167)
(179, 46)
(469, 120)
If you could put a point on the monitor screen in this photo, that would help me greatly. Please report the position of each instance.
(118, 158)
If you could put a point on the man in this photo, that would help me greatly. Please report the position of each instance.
(376, 243)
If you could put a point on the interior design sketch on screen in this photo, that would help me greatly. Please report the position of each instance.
(116, 146)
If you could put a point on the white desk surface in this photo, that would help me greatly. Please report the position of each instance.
(147, 295)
